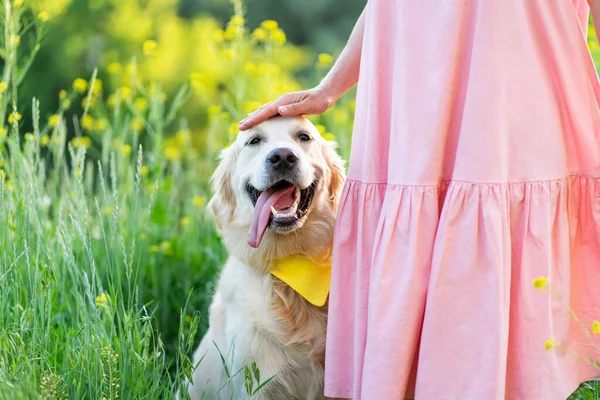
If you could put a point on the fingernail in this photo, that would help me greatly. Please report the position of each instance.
(282, 109)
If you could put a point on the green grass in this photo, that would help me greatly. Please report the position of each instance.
(97, 266)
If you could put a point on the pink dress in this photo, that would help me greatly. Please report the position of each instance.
(475, 169)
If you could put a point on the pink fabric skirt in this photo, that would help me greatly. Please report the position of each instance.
(475, 169)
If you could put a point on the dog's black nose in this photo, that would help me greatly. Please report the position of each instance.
(282, 159)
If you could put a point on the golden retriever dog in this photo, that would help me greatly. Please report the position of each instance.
(276, 192)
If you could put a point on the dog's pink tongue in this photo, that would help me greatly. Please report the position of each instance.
(262, 212)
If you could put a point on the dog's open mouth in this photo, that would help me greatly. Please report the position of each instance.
(282, 207)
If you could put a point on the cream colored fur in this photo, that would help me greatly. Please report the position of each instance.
(254, 317)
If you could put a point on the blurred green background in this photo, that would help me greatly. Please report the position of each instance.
(85, 34)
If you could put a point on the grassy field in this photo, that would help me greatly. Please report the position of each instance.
(108, 257)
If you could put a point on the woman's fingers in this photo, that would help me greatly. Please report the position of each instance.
(294, 109)
(268, 110)
(259, 115)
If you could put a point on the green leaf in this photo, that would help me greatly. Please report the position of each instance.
(256, 372)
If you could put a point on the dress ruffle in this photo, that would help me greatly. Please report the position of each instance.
(432, 284)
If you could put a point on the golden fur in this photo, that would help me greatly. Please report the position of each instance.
(255, 316)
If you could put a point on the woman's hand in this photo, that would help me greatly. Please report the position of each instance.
(307, 102)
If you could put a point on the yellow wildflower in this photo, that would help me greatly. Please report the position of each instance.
(182, 136)
(3, 86)
(97, 87)
(198, 201)
(213, 110)
(80, 85)
(165, 247)
(82, 141)
(250, 68)
(150, 47)
(88, 102)
(11, 117)
(321, 129)
(229, 53)
(154, 248)
(278, 37)
(196, 80)
(218, 36)
(551, 344)
(188, 319)
(233, 31)
(125, 92)
(324, 60)
(237, 20)
(259, 34)
(596, 327)
(44, 140)
(268, 68)
(102, 300)
(88, 122)
(126, 149)
(112, 100)
(62, 94)
(53, 120)
(137, 124)
(43, 16)
(15, 40)
(329, 136)
(540, 282)
(269, 25)
(114, 68)
(101, 125)
(131, 68)
(185, 221)
(141, 104)
(233, 131)
(2, 132)
(18, 3)
(251, 106)
(29, 137)
(172, 153)
(144, 170)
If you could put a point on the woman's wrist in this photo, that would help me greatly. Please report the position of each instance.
(328, 91)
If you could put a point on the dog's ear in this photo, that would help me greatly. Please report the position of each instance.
(222, 204)
(337, 174)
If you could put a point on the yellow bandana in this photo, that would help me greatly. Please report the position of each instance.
(308, 278)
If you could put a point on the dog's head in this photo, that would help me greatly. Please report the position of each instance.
(276, 190)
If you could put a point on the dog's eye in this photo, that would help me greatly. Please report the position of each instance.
(254, 141)
(304, 137)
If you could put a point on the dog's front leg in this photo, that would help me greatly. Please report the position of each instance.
(210, 377)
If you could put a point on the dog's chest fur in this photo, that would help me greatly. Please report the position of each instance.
(269, 322)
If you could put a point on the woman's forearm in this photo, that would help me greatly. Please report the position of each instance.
(344, 73)
(595, 10)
